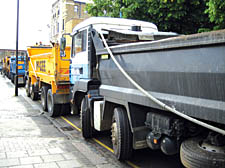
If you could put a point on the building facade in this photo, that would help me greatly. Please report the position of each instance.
(9, 52)
(65, 15)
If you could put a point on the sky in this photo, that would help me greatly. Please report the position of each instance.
(34, 18)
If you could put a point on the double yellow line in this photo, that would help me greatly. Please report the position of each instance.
(97, 141)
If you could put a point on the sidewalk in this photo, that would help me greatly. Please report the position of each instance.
(29, 140)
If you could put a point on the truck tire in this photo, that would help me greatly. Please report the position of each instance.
(194, 156)
(75, 109)
(86, 128)
(34, 93)
(8, 75)
(44, 92)
(121, 134)
(53, 109)
(12, 78)
(28, 87)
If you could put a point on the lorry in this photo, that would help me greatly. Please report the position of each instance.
(48, 78)
(6, 66)
(152, 89)
(21, 69)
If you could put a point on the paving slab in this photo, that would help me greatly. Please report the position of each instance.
(46, 165)
(9, 162)
(23, 166)
(52, 158)
(37, 152)
(31, 160)
(2, 155)
(69, 164)
(17, 154)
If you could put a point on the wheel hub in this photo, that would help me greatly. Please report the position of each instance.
(114, 134)
(49, 102)
(212, 148)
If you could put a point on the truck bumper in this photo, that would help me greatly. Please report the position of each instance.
(21, 80)
(61, 98)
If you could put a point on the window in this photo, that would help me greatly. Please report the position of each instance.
(57, 27)
(75, 8)
(79, 42)
(63, 24)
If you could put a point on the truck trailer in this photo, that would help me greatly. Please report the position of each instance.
(48, 78)
(152, 89)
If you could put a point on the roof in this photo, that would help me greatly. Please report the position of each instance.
(115, 23)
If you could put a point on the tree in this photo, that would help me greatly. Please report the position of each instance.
(216, 13)
(181, 16)
(104, 8)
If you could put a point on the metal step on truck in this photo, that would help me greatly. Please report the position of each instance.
(48, 78)
(21, 69)
(151, 89)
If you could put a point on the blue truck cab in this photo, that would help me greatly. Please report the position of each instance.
(21, 69)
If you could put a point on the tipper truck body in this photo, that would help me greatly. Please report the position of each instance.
(167, 93)
(48, 72)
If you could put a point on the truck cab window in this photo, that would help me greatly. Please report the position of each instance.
(79, 42)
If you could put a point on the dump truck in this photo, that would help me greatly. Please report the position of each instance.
(48, 76)
(21, 69)
(152, 89)
(6, 66)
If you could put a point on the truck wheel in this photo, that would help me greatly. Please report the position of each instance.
(121, 134)
(86, 128)
(53, 109)
(12, 78)
(194, 153)
(33, 93)
(28, 87)
(8, 75)
(74, 108)
(44, 91)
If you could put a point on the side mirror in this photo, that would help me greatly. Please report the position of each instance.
(62, 44)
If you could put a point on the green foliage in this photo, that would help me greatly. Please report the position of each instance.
(104, 8)
(181, 16)
(216, 11)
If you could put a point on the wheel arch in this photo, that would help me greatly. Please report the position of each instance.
(109, 107)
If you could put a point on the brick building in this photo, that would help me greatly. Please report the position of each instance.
(9, 52)
(65, 15)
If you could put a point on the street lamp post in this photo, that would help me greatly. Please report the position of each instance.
(17, 38)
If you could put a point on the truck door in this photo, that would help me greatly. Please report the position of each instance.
(79, 64)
